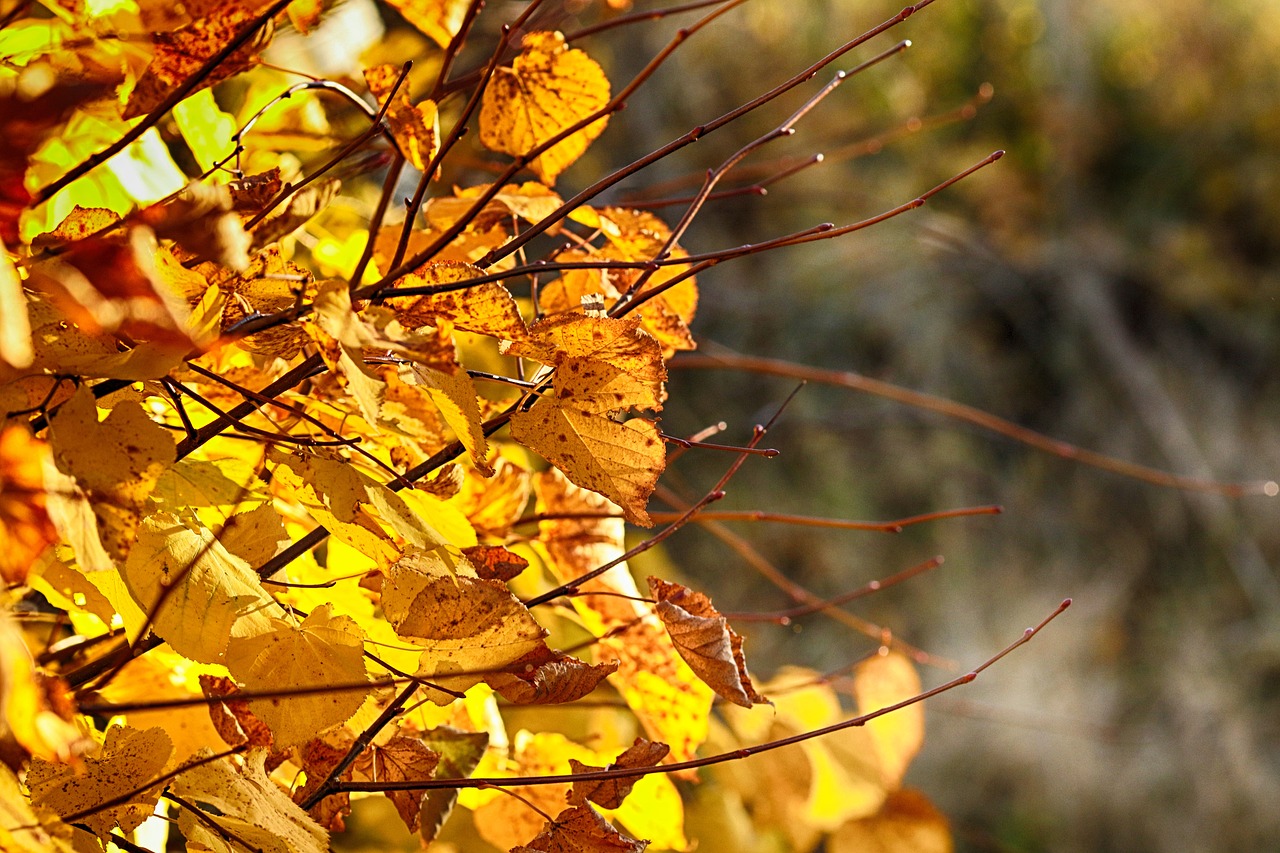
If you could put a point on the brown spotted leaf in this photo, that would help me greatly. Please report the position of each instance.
(495, 563)
(179, 54)
(544, 677)
(580, 829)
(706, 642)
(548, 89)
(487, 309)
(129, 759)
(609, 793)
(232, 717)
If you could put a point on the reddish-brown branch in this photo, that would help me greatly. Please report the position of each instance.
(721, 758)
(784, 617)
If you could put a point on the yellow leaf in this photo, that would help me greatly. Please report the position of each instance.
(254, 536)
(415, 127)
(453, 394)
(548, 89)
(115, 463)
(493, 505)
(15, 332)
(22, 830)
(323, 650)
(155, 677)
(439, 19)
(908, 823)
(248, 806)
(706, 642)
(621, 461)
(129, 759)
(881, 681)
(205, 128)
(270, 285)
(25, 712)
(210, 594)
(611, 792)
(487, 309)
(467, 627)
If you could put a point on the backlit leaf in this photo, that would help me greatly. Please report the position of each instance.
(706, 642)
(415, 127)
(487, 309)
(129, 759)
(25, 527)
(22, 828)
(439, 19)
(880, 681)
(115, 463)
(548, 89)
(26, 713)
(15, 332)
(323, 650)
(580, 829)
(493, 562)
(544, 677)
(248, 807)
(610, 793)
(459, 753)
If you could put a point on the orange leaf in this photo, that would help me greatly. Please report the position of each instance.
(25, 527)
(548, 89)
(232, 718)
(493, 562)
(706, 642)
(580, 829)
(487, 309)
(439, 19)
(610, 793)
(180, 54)
(415, 127)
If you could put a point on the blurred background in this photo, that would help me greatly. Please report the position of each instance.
(1112, 282)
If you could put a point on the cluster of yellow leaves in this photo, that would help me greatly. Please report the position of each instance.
(284, 534)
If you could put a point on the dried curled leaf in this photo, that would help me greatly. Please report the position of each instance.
(581, 829)
(548, 89)
(495, 563)
(400, 759)
(129, 759)
(544, 677)
(609, 793)
(706, 642)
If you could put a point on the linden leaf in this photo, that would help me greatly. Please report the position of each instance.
(880, 681)
(298, 211)
(324, 650)
(494, 505)
(179, 54)
(459, 753)
(231, 717)
(246, 809)
(270, 285)
(467, 627)
(610, 793)
(580, 829)
(22, 828)
(208, 593)
(548, 89)
(129, 759)
(453, 394)
(25, 527)
(907, 823)
(255, 536)
(115, 463)
(401, 759)
(621, 461)
(670, 701)
(441, 20)
(704, 639)
(544, 677)
(150, 678)
(487, 309)
(415, 127)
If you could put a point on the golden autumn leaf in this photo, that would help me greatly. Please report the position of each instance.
(706, 642)
(269, 285)
(621, 461)
(296, 212)
(26, 713)
(198, 593)
(494, 505)
(25, 527)
(493, 562)
(179, 54)
(548, 89)
(610, 793)
(487, 309)
(15, 332)
(581, 829)
(908, 823)
(323, 650)
(128, 760)
(150, 678)
(415, 127)
(671, 702)
(882, 680)
(467, 627)
(439, 19)
(248, 806)
(115, 464)
(24, 829)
